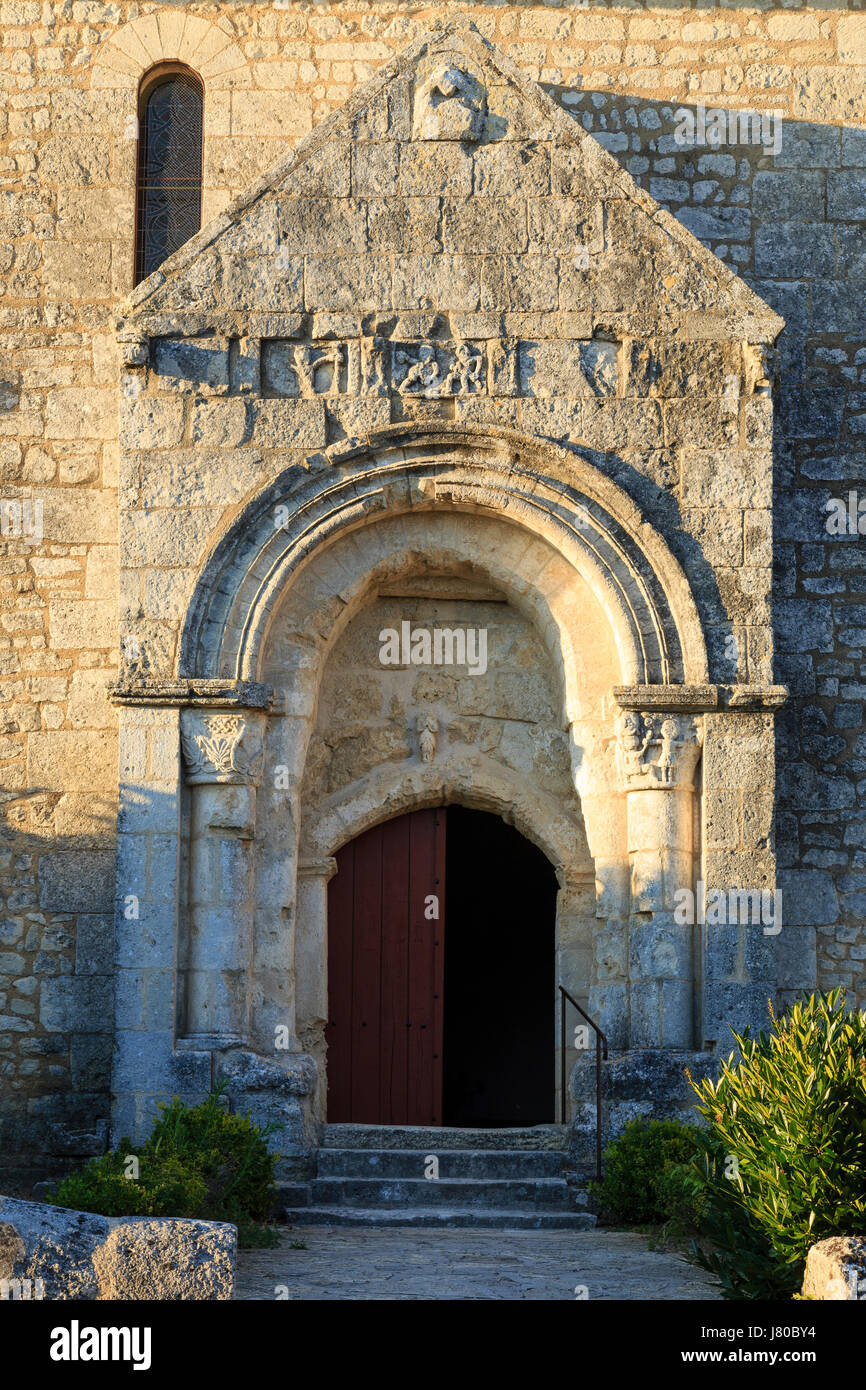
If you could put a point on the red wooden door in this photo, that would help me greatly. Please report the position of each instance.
(385, 974)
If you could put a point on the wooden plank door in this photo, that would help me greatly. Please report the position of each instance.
(386, 974)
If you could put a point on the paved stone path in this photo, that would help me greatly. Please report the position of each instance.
(353, 1263)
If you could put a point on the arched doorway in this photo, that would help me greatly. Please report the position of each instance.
(441, 974)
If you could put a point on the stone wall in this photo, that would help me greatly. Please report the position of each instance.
(791, 223)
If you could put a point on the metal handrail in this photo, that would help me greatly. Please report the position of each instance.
(600, 1052)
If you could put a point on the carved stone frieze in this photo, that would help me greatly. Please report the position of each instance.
(437, 368)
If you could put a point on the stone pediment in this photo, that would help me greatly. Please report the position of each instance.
(450, 231)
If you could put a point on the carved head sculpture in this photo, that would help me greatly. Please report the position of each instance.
(450, 104)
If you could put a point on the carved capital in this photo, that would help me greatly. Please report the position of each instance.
(221, 747)
(657, 751)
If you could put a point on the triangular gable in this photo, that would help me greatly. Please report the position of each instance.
(449, 183)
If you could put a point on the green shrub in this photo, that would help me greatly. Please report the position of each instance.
(784, 1157)
(645, 1178)
(199, 1161)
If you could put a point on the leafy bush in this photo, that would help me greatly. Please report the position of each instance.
(784, 1158)
(199, 1161)
(645, 1170)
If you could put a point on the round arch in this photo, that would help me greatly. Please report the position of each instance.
(543, 490)
(392, 791)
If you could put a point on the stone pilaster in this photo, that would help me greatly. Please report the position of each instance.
(223, 753)
(657, 754)
(310, 957)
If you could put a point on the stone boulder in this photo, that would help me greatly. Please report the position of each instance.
(836, 1270)
(77, 1255)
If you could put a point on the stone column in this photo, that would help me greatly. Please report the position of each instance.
(223, 755)
(311, 959)
(657, 754)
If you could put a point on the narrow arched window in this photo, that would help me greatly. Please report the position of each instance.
(169, 165)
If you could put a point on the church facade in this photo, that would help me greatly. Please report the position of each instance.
(397, 621)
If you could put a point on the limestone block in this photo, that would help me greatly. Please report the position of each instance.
(147, 940)
(506, 169)
(375, 169)
(347, 282)
(77, 1002)
(851, 39)
(737, 762)
(165, 538)
(729, 1006)
(74, 161)
(101, 575)
(78, 1256)
(85, 820)
(77, 623)
(73, 271)
(832, 92)
(191, 364)
(317, 225)
(167, 1259)
(354, 418)
(234, 162)
(510, 116)
(661, 1013)
(81, 761)
(325, 172)
(147, 1062)
(74, 413)
(88, 706)
(78, 516)
(278, 1090)
(436, 169)
(404, 224)
(570, 225)
(264, 113)
(195, 478)
(660, 949)
(219, 424)
(144, 998)
(152, 423)
(94, 944)
(152, 807)
(717, 477)
(809, 899)
(721, 950)
(484, 225)
(440, 282)
(520, 282)
(836, 1270)
(289, 424)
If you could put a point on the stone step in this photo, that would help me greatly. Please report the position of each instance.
(435, 1138)
(443, 1217)
(496, 1193)
(453, 1163)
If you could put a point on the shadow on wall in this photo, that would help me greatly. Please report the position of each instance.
(791, 223)
(56, 986)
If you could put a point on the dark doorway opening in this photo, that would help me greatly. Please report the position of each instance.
(499, 975)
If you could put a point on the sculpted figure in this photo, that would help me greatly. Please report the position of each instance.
(632, 744)
(464, 375)
(423, 375)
